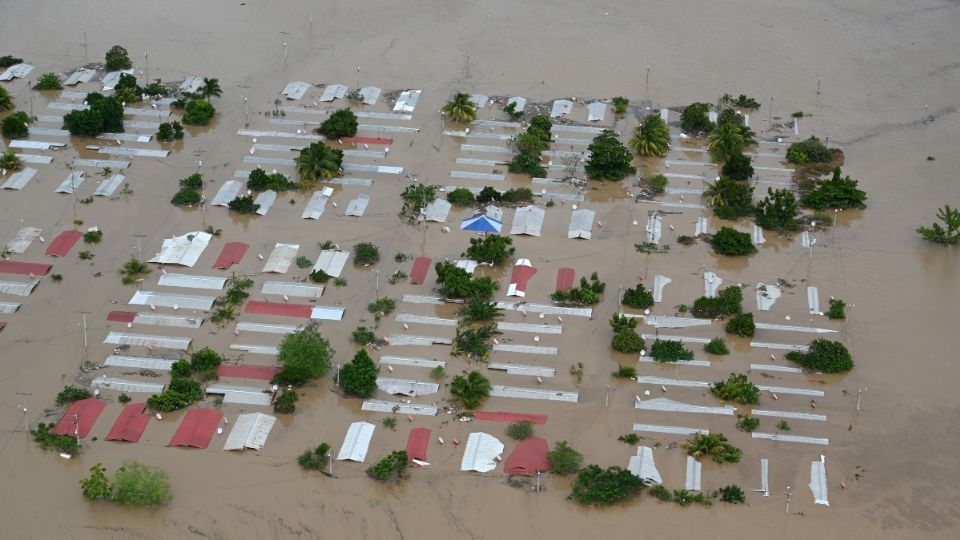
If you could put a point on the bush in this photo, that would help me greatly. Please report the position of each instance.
(382, 306)
(165, 132)
(747, 423)
(837, 309)
(669, 351)
(478, 309)
(259, 180)
(714, 445)
(319, 276)
(837, 192)
(243, 205)
(717, 346)
(471, 389)
(123, 398)
(778, 211)
(304, 355)
(474, 341)
(365, 254)
(69, 394)
(587, 294)
(456, 282)
(732, 243)
(359, 376)
(732, 494)
(625, 337)
(43, 435)
(527, 164)
(198, 112)
(736, 389)
(97, 486)
(303, 262)
(16, 125)
(824, 356)
(340, 123)
(205, 363)
(511, 110)
(686, 240)
(638, 297)
(657, 183)
(629, 438)
(695, 118)
(488, 194)
(135, 484)
(314, 459)
(392, 466)
(517, 196)
(620, 105)
(286, 402)
(461, 197)
(730, 199)
(390, 422)
(519, 431)
(625, 372)
(10, 162)
(742, 325)
(661, 493)
(7, 61)
(48, 81)
(594, 485)
(563, 459)
(727, 302)
(530, 143)
(186, 197)
(737, 167)
(438, 373)
(362, 335)
(117, 59)
(194, 181)
(808, 151)
(180, 369)
(609, 158)
(88, 123)
(492, 248)
(936, 233)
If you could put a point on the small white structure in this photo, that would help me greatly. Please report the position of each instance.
(437, 211)
(250, 431)
(185, 301)
(296, 89)
(317, 204)
(528, 220)
(332, 261)
(332, 92)
(407, 101)
(356, 442)
(581, 224)
(642, 466)
(17, 71)
(596, 111)
(711, 282)
(141, 340)
(357, 207)
(480, 453)
(227, 192)
(520, 103)
(561, 107)
(818, 482)
(370, 95)
(767, 295)
(187, 281)
(693, 474)
(281, 258)
(245, 395)
(183, 250)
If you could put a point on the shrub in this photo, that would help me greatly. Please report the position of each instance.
(732, 494)
(488, 194)
(492, 248)
(5, 102)
(474, 341)
(43, 435)
(837, 192)
(587, 294)
(511, 110)
(165, 132)
(198, 112)
(519, 431)
(657, 183)
(382, 306)
(527, 164)
(390, 422)
(594, 485)
(359, 376)
(530, 143)
(638, 297)
(461, 197)
(132, 270)
(694, 118)
(319, 276)
(609, 158)
(117, 59)
(315, 458)
(7, 61)
(625, 372)
(736, 389)
(365, 254)
(669, 351)
(286, 402)
(685, 498)
(456, 282)
(727, 302)
(471, 389)
(732, 243)
(340, 123)
(629, 438)
(778, 211)
(937, 233)
(97, 486)
(48, 81)
(123, 398)
(714, 445)
(741, 325)
(747, 423)
(737, 167)
(136, 484)
(717, 346)
(808, 151)
(837, 309)
(517, 196)
(16, 125)
(186, 197)
(69, 394)
(205, 363)
(730, 199)
(477, 309)
(620, 105)
(438, 373)
(304, 355)
(783, 425)
(181, 368)
(10, 161)
(824, 356)
(415, 198)
(363, 335)
(563, 459)
(392, 466)
(661, 493)
(243, 205)
(303, 262)
(259, 180)
(625, 337)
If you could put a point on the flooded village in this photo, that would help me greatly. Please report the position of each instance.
(478, 269)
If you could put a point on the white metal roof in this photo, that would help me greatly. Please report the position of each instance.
(16, 71)
(82, 75)
(163, 342)
(406, 387)
(191, 84)
(183, 250)
(437, 211)
(642, 465)
(789, 414)
(818, 482)
(358, 206)
(774, 367)
(33, 158)
(790, 390)
(18, 288)
(111, 79)
(479, 100)
(139, 362)
(813, 300)
(480, 453)
(521, 103)
(264, 328)
(159, 319)
(281, 258)
(581, 224)
(292, 288)
(781, 437)
(659, 282)
(547, 310)
(528, 220)
(370, 95)
(534, 393)
(425, 319)
(185, 301)
(711, 282)
(666, 381)
(671, 430)
(227, 192)
(356, 442)
(494, 212)
(107, 187)
(246, 395)
(326, 313)
(654, 228)
(35, 145)
(376, 405)
(411, 361)
(422, 299)
(467, 264)
(407, 101)
(332, 261)
(22, 240)
(170, 279)
(521, 369)
(317, 204)
(250, 431)
(9, 307)
(693, 474)
(265, 200)
(333, 91)
(115, 164)
(126, 385)
(406, 339)
(534, 328)
(561, 107)
(596, 111)
(667, 321)
(295, 90)
(691, 363)
(668, 405)
(255, 349)
(526, 349)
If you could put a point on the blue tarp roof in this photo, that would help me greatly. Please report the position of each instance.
(481, 224)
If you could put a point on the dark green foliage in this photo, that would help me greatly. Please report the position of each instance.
(390, 422)
(717, 346)
(165, 132)
(415, 198)
(205, 363)
(747, 423)
(652, 137)
(340, 123)
(390, 467)
(837, 309)
(732, 494)
(620, 105)
(783, 425)
(478, 309)
(492, 248)
(519, 431)
(194, 181)
(110, 109)
(188, 388)
(741, 101)
(382, 306)
(286, 402)
(470, 390)
(625, 337)
(937, 233)
(88, 123)
(456, 282)
(319, 276)
(609, 158)
(43, 435)
(669, 351)
(808, 151)
(136, 484)
(365, 254)
(778, 211)
(638, 297)
(155, 89)
(304, 355)
(727, 302)
(303, 262)
(511, 110)
(16, 125)
(132, 270)
(728, 140)
(93, 236)
(542, 124)
(824, 356)
(6, 103)
(438, 373)
(243, 205)
(528, 146)
(695, 118)
(359, 376)
(319, 161)
(314, 459)
(625, 372)
(7, 61)
(260, 180)
(587, 294)
(488, 194)
(69, 394)
(181, 368)
(629, 438)
(657, 183)
(198, 112)
(732, 243)
(461, 109)
(742, 325)
(117, 59)
(530, 143)
(737, 389)
(686, 498)
(97, 486)
(837, 192)
(10, 161)
(123, 398)
(186, 197)
(730, 199)
(517, 195)
(737, 167)
(475, 341)
(210, 88)
(461, 197)
(661, 493)
(180, 393)
(714, 445)
(362, 335)
(56, 277)
(563, 459)
(605, 486)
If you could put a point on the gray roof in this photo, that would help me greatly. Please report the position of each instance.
(535, 328)
(250, 431)
(438, 210)
(183, 250)
(358, 206)
(526, 349)
(659, 282)
(522, 369)
(479, 100)
(407, 101)
(280, 134)
(245, 395)
(576, 129)
(790, 414)
(467, 175)
(163, 299)
(332, 261)
(187, 281)
(49, 132)
(16, 71)
(780, 437)
(672, 430)
(111, 79)
(596, 111)
(227, 192)
(33, 158)
(485, 149)
(291, 288)
(333, 91)
(406, 339)
(790, 390)
(421, 299)
(18, 180)
(126, 385)
(82, 75)
(159, 319)
(139, 362)
(266, 328)
(528, 220)
(295, 90)
(107, 187)
(326, 313)
(425, 319)
(377, 405)
(18, 288)
(191, 84)
(281, 258)
(534, 393)
(406, 387)
(129, 137)
(521, 103)
(260, 160)
(356, 442)
(480, 453)
(693, 474)
(779, 346)
(9, 307)
(268, 350)
(411, 361)
(561, 107)
(642, 465)
(265, 199)
(133, 152)
(548, 310)
(36, 145)
(23, 239)
(668, 405)
(370, 95)
(163, 342)
(818, 482)
(317, 204)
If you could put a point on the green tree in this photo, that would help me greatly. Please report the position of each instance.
(185, 197)
(837, 192)
(88, 123)
(738, 389)
(620, 105)
(316, 458)
(595, 485)
(940, 234)
(48, 81)
(808, 151)
(625, 337)
(730, 199)
(341, 123)
(725, 142)
(136, 484)
(211, 88)
(10, 161)
(732, 494)
(652, 137)
(470, 390)
(392, 466)
(260, 180)
(670, 351)
(492, 248)
(519, 431)
(695, 119)
(97, 486)
(205, 363)
(732, 243)
(477, 309)
(243, 205)
(319, 161)
(286, 402)
(71, 393)
(198, 112)
(728, 301)
(824, 356)
(488, 194)
(117, 59)
(527, 164)
(461, 109)
(16, 126)
(638, 297)
(530, 142)
(461, 197)
(6, 103)
(563, 459)
(778, 211)
(737, 167)
(165, 132)
(475, 341)
(741, 325)
(458, 283)
(837, 309)
(305, 355)
(714, 445)
(359, 376)
(365, 254)
(609, 159)
(717, 346)
(110, 109)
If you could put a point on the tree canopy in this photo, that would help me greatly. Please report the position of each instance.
(359, 376)
(609, 158)
(732, 243)
(319, 161)
(825, 356)
(695, 119)
(471, 389)
(837, 192)
(948, 234)
(492, 248)
(305, 355)
(595, 485)
(16, 126)
(117, 58)
(778, 211)
(341, 123)
(652, 137)
(730, 199)
(461, 109)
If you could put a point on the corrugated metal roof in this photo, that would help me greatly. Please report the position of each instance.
(596, 111)
(528, 220)
(668, 405)
(667, 321)
(665, 381)
(561, 107)
(818, 482)
(139, 362)
(18, 180)
(349, 181)
(526, 349)
(332, 262)
(111, 79)
(16, 71)
(191, 84)
(421, 299)
(260, 160)
(268, 350)
(534, 328)
(250, 431)
(317, 204)
(790, 390)
(757, 235)
(295, 90)
(48, 132)
(183, 250)
(405, 339)
(437, 211)
(581, 224)
(780, 437)
(479, 100)
(227, 192)
(370, 95)
(102, 163)
(365, 153)
(764, 481)
(247, 395)
(35, 145)
(163, 342)
(693, 474)
(691, 363)
(407, 101)
(136, 111)
(376, 405)
(265, 199)
(170, 279)
(654, 227)
(789, 414)
(681, 339)
(9, 307)
(672, 430)
(659, 282)
(358, 206)
(813, 300)
(18, 288)
(424, 319)
(157, 319)
(522, 369)
(107, 187)
(411, 361)
(356, 442)
(480, 453)
(794, 328)
(281, 258)
(277, 147)
(185, 301)
(521, 103)
(82, 75)
(32, 158)
(779, 346)
(533, 393)
(642, 465)
(485, 149)
(280, 135)
(326, 313)
(126, 385)
(292, 288)
(332, 92)
(264, 328)
(547, 310)
(406, 387)
(23, 239)
(772, 367)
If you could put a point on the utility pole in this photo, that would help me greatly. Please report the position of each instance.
(926, 110)
(378, 283)
(85, 43)
(23, 408)
(770, 114)
(787, 512)
(30, 87)
(146, 58)
(860, 391)
(284, 52)
(139, 245)
(83, 324)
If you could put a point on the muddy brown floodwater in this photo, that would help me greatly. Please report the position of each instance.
(882, 63)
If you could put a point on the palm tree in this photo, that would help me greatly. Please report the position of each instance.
(5, 102)
(211, 87)
(470, 390)
(651, 137)
(726, 141)
(713, 193)
(461, 109)
(319, 161)
(714, 445)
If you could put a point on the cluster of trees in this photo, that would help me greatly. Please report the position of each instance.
(638, 297)
(809, 151)
(392, 466)
(48, 81)
(470, 389)
(340, 123)
(184, 389)
(948, 233)
(105, 114)
(261, 180)
(741, 325)
(453, 282)
(528, 146)
(133, 484)
(609, 158)
(128, 91)
(587, 294)
(836, 192)
(465, 197)
(824, 356)
(16, 126)
(190, 191)
(415, 198)
(359, 376)
(733, 243)
(625, 336)
(169, 131)
(492, 248)
(319, 161)
(670, 351)
(599, 486)
(728, 301)
(737, 389)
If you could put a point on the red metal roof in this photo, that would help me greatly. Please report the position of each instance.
(25, 268)
(231, 254)
(121, 316)
(421, 265)
(63, 243)
(366, 140)
(528, 457)
(417, 444)
(521, 275)
(263, 373)
(131, 423)
(510, 417)
(197, 428)
(565, 279)
(274, 308)
(86, 410)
